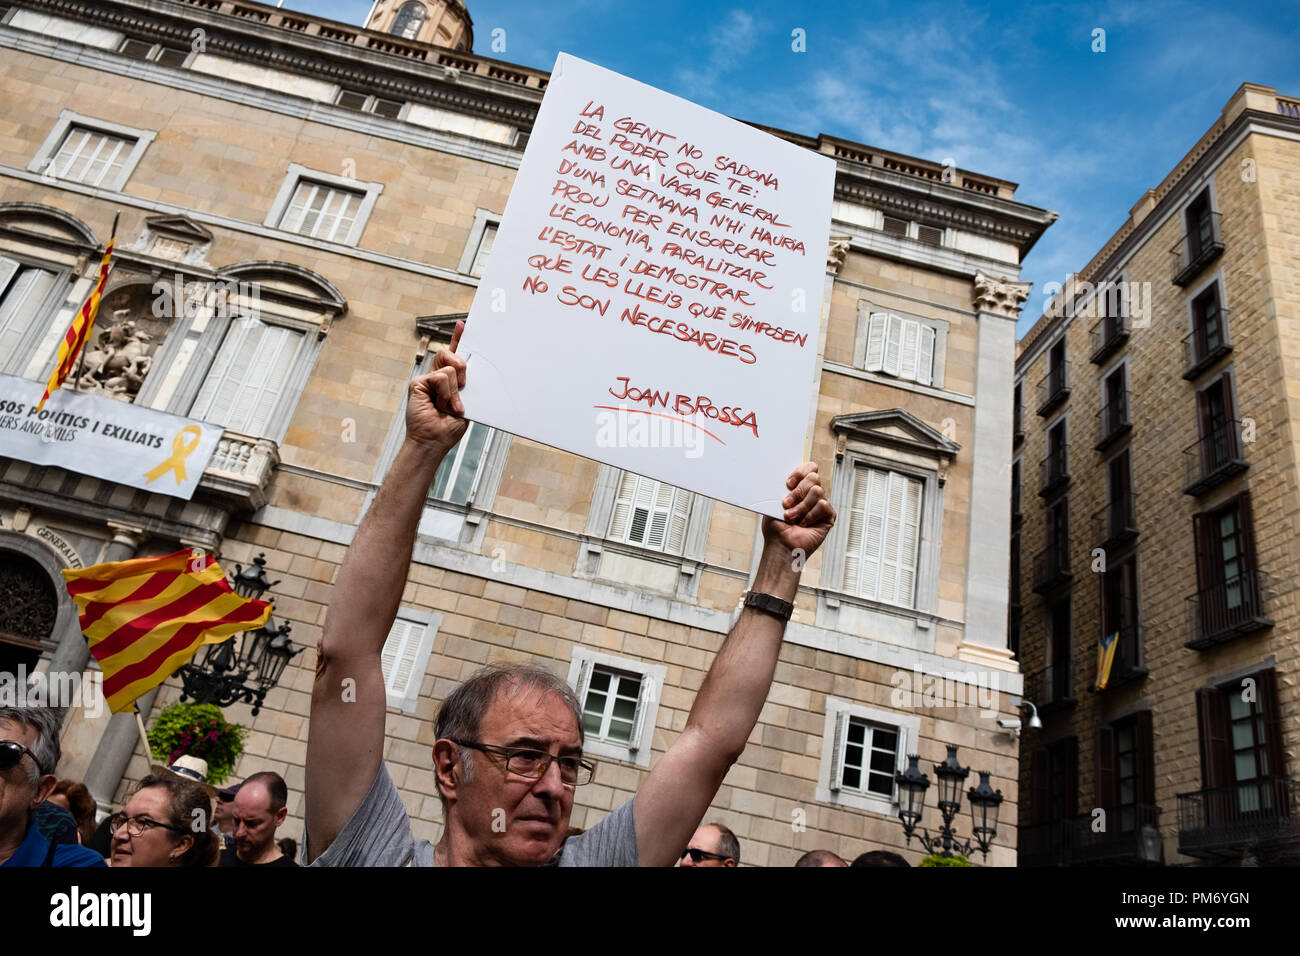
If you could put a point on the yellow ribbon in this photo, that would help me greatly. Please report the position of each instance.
(181, 449)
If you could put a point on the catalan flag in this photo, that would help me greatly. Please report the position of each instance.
(79, 330)
(145, 618)
(1105, 658)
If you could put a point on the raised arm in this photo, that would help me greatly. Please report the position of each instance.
(346, 737)
(684, 782)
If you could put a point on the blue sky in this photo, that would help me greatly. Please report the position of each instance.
(1012, 90)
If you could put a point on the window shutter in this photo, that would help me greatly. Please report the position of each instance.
(398, 657)
(1212, 727)
(907, 354)
(584, 681)
(1070, 754)
(647, 691)
(215, 402)
(857, 526)
(925, 356)
(893, 345)
(877, 326)
(622, 515)
(1266, 686)
(909, 541)
(678, 521)
(7, 269)
(837, 749)
(900, 758)
(659, 514)
(873, 535)
(268, 377)
(1039, 790)
(1104, 769)
(19, 305)
(1246, 522)
(642, 504)
(1144, 741)
(247, 377)
(891, 538)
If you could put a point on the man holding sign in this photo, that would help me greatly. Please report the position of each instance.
(508, 757)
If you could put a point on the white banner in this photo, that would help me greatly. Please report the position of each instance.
(107, 439)
(653, 295)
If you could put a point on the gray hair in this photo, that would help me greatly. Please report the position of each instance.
(46, 724)
(728, 845)
(461, 714)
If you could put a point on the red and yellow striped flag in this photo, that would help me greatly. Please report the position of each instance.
(146, 617)
(79, 330)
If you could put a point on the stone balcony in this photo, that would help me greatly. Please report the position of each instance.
(240, 470)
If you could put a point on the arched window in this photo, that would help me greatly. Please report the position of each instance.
(28, 609)
(409, 19)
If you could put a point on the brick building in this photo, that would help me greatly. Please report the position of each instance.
(350, 180)
(1155, 490)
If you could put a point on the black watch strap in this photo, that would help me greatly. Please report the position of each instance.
(772, 605)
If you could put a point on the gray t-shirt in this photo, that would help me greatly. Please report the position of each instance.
(379, 834)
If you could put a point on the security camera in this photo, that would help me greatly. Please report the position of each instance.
(1011, 725)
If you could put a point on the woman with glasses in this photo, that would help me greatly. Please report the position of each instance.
(167, 822)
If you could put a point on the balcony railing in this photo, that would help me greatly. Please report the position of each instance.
(1051, 567)
(1108, 334)
(1115, 422)
(241, 469)
(1053, 388)
(1054, 471)
(1116, 522)
(1227, 610)
(1202, 347)
(1213, 459)
(1049, 689)
(1131, 837)
(1224, 821)
(1191, 254)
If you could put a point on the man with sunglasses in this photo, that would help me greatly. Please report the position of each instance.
(712, 845)
(507, 754)
(29, 753)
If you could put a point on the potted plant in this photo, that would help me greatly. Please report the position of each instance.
(935, 860)
(199, 730)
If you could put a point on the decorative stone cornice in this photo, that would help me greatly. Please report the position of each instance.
(999, 295)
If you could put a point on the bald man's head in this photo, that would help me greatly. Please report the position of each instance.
(820, 858)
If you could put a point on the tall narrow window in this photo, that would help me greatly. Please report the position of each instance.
(1060, 657)
(1208, 334)
(23, 289)
(248, 377)
(1200, 226)
(484, 249)
(650, 513)
(458, 474)
(410, 17)
(884, 536)
(1218, 436)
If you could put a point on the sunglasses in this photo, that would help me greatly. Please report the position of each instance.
(11, 752)
(699, 856)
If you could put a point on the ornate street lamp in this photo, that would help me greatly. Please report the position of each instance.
(222, 675)
(984, 803)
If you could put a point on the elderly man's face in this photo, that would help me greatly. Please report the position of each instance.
(519, 821)
(706, 840)
(19, 795)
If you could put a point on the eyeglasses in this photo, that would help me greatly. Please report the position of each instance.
(525, 762)
(11, 753)
(699, 856)
(138, 825)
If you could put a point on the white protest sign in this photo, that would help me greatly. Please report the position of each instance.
(107, 439)
(653, 295)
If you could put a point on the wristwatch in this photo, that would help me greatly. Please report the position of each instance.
(769, 603)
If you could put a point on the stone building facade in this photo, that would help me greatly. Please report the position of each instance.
(352, 179)
(1156, 461)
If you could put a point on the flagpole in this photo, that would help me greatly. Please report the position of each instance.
(81, 359)
(144, 736)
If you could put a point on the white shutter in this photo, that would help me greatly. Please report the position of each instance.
(907, 356)
(658, 524)
(20, 303)
(584, 681)
(893, 345)
(248, 376)
(645, 695)
(900, 758)
(837, 749)
(216, 397)
(622, 517)
(678, 521)
(873, 532)
(925, 356)
(909, 542)
(398, 657)
(892, 533)
(876, 327)
(642, 506)
(857, 526)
